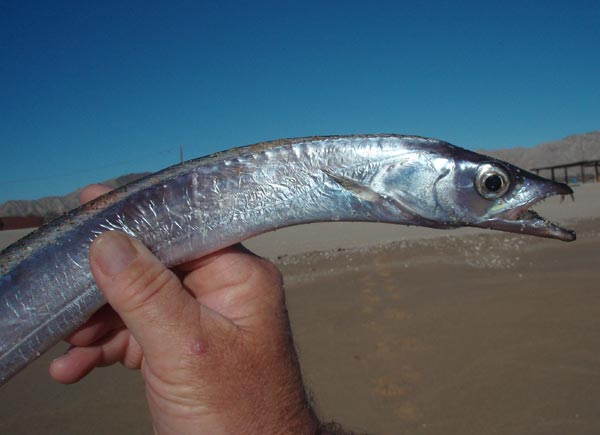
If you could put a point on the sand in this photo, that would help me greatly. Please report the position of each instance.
(403, 330)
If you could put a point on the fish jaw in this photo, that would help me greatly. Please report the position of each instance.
(523, 220)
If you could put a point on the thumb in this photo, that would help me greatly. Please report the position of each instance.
(149, 297)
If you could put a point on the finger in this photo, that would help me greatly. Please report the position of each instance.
(238, 285)
(207, 259)
(230, 267)
(92, 192)
(146, 295)
(79, 361)
(100, 324)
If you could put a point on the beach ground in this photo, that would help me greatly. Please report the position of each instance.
(467, 333)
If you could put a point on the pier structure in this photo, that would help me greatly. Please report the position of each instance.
(562, 173)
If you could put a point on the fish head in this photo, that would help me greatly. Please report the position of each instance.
(432, 183)
(489, 193)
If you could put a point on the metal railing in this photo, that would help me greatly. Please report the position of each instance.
(581, 176)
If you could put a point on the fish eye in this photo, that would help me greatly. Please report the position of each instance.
(492, 181)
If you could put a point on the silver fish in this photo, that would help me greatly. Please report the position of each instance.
(195, 208)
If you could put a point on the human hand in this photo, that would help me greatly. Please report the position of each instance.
(211, 338)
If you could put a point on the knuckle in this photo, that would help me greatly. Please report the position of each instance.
(270, 271)
(133, 355)
(254, 270)
(143, 282)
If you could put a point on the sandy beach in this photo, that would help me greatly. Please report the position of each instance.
(401, 330)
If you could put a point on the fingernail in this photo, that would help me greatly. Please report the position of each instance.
(113, 252)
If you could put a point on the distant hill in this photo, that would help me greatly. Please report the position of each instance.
(571, 149)
(53, 206)
(568, 150)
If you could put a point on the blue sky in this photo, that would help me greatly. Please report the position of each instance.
(93, 91)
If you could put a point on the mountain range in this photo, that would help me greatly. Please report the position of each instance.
(571, 149)
(50, 207)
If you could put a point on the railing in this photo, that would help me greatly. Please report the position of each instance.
(568, 177)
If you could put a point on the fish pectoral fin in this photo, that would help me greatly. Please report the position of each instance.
(405, 200)
(357, 188)
(365, 192)
(402, 202)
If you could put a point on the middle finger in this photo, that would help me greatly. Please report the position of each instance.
(100, 324)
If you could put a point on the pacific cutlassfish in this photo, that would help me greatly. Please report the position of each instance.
(197, 207)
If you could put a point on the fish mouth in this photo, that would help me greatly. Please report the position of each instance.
(524, 220)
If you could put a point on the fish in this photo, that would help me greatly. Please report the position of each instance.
(200, 206)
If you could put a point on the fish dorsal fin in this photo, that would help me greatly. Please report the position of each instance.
(357, 188)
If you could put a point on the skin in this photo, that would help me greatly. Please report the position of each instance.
(211, 338)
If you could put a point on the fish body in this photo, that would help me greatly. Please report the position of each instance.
(200, 206)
